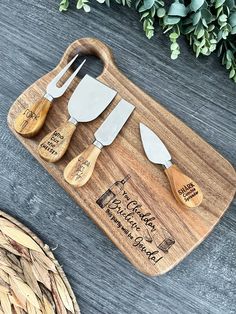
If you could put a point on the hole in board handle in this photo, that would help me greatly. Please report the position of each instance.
(93, 66)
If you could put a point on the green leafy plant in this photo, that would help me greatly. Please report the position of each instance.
(208, 25)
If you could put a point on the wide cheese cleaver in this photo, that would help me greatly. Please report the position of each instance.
(185, 190)
(87, 102)
(80, 169)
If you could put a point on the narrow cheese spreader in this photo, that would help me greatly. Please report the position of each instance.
(87, 102)
(185, 190)
(30, 121)
(80, 169)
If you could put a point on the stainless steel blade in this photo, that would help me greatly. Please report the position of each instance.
(154, 148)
(110, 128)
(89, 99)
(53, 90)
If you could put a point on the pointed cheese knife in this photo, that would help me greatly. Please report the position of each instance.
(185, 190)
(80, 169)
(87, 102)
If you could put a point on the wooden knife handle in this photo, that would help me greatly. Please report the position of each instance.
(185, 190)
(29, 122)
(54, 145)
(80, 169)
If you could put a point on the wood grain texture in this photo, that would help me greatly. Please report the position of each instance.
(30, 121)
(80, 169)
(54, 145)
(143, 218)
(185, 190)
(196, 90)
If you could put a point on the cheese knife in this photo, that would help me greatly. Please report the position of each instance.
(80, 169)
(184, 189)
(87, 102)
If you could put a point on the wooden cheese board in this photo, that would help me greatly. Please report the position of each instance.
(142, 218)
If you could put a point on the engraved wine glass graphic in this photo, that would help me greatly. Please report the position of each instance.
(112, 192)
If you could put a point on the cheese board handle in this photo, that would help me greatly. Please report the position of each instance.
(30, 121)
(90, 46)
(54, 145)
(185, 190)
(80, 169)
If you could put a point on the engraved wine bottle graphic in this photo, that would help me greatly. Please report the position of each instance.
(112, 192)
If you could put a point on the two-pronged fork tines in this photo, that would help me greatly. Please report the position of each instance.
(29, 122)
(53, 90)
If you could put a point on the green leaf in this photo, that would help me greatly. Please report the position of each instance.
(147, 4)
(232, 73)
(212, 48)
(196, 17)
(200, 33)
(144, 15)
(211, 27)
(198, 28)
(64, 4)
(230, 4)
(177, 9)
(188, 29)
(148, 27)
(196, 4)
(225, 34)
(171, 20)
(232, 19)
(204, 23)
(203, 42)
(173, 57)
(174, 46)
(173, 36)
(206, 14)
(204, 50)
(223, 18)
(174, 54)
(153, 11)
(198, 50)
(80, 4)
(233, 32)
(219, 35)
(161, 12)
(219, 3)
(219, 52)
(86, 8)
(228, 65)
(229, 55)
(213, 41)
(137, 4)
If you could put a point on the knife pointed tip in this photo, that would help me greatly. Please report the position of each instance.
(142, 127)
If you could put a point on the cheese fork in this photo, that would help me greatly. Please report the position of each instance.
(29, 122)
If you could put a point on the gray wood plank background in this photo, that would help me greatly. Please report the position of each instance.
(33, 37)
